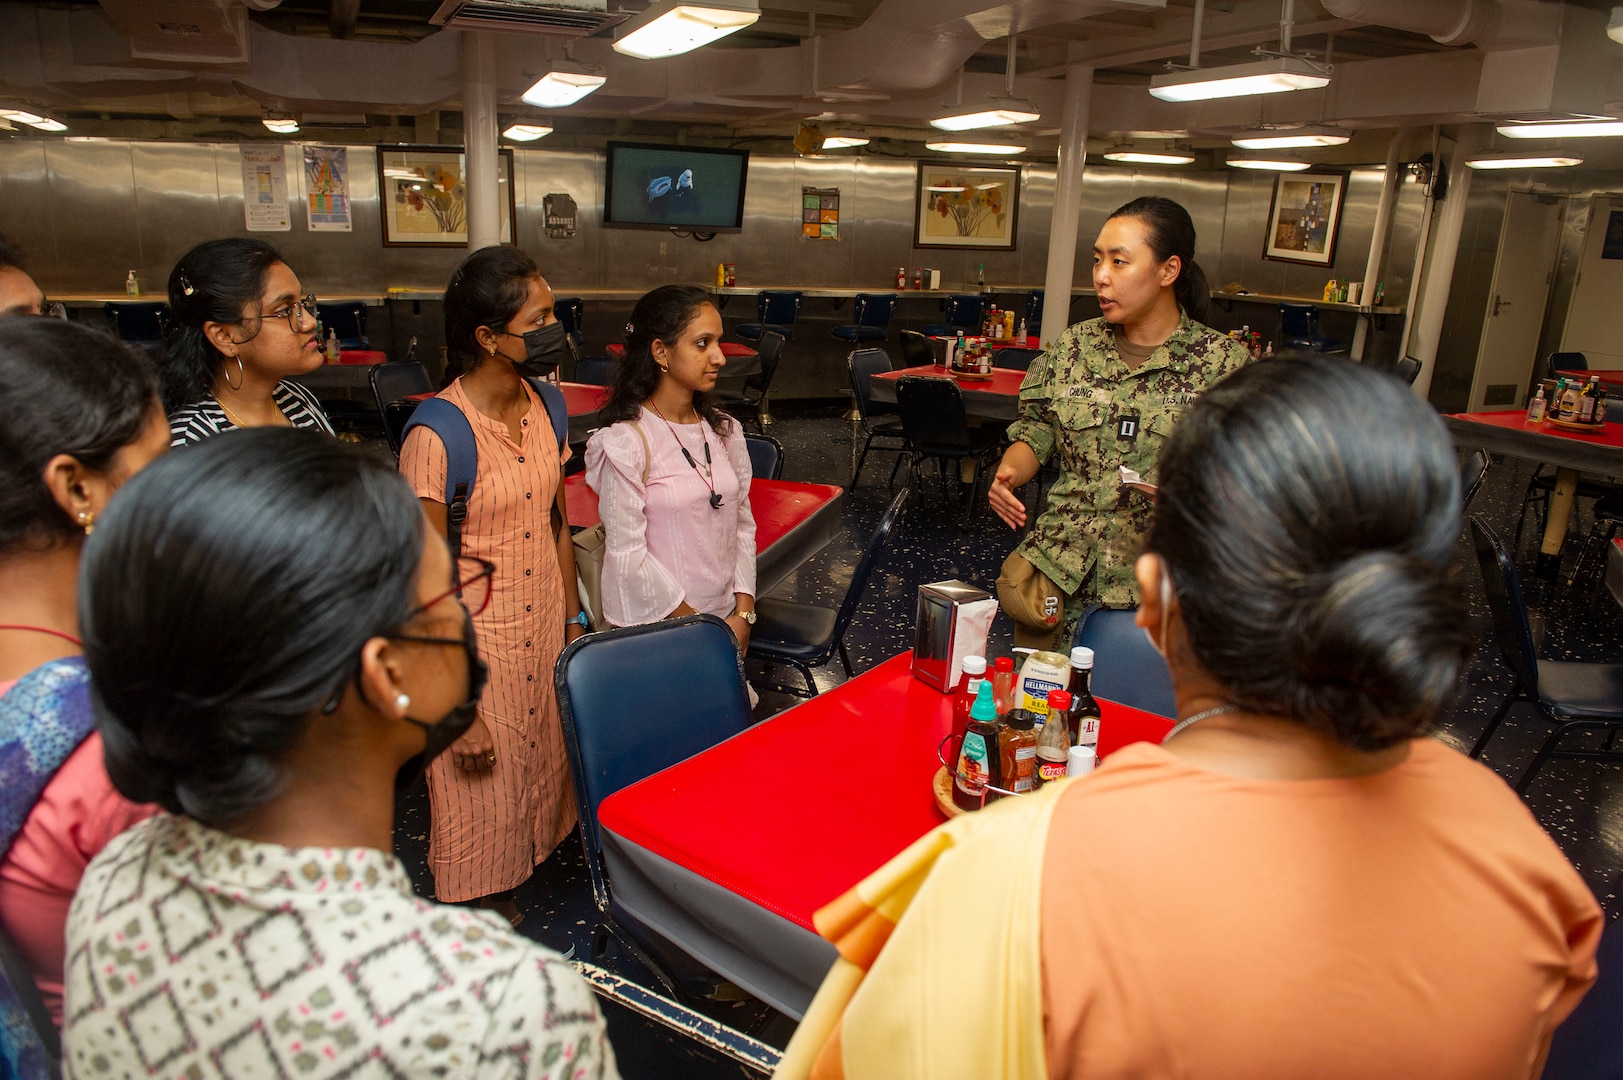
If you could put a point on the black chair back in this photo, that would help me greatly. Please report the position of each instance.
(874, 309)
(348, 319)
(1407, 369)
(1472, 472)
(916, 350)
(621, 720)
(770, 350)
(596, 370)
(1507, 604)
(1015, 359)
(1565, 361)
(1126, 668)
(861, 364)
(1298, 324)
(766, 456)
(146, 321)
(1034, 311)
(963, 311)
(390, 383)
(571, 311)
(780, 308)
(866, 564)
(933, 417)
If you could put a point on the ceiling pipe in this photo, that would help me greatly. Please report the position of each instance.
(341, 17)
(1484, 23)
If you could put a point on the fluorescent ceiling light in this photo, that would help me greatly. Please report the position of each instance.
(1149, 157)
(1273, 76)
(1268, 164)
(844, 142)
(527, 132)
(1010, 111)
(556, 89)
(671, 27)
(34, 120)
(1516, 159)
(282, 125)
(1563, 129)
(955, 147)
(1291, 138)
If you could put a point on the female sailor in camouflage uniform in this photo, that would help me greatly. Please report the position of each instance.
(1104, 398)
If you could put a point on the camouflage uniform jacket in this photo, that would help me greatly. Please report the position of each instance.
(1076, 399)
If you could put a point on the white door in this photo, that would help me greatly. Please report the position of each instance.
(1521, 290)
(1595, 320)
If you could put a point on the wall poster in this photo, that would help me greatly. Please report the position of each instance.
(966, 206)
(264, 190)
(820, 213)
(1305, 219)
(424, 194)
(326, 187)
(559, 215)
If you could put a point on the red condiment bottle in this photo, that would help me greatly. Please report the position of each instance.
(963, 698)
(1003, 684)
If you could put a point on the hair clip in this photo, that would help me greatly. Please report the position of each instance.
(186, 284)
(630, 329)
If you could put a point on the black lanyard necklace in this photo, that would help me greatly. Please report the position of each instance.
(706, 473)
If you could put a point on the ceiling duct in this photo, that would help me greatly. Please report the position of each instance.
(560, 18)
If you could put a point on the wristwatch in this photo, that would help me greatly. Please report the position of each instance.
(580, 617)
(747, 616)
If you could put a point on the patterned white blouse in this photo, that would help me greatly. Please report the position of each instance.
(195, 953)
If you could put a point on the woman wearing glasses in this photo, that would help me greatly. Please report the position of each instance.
(243, 326)
(502, 799)
(275, 640)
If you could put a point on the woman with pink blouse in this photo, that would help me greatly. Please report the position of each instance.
(672, 474)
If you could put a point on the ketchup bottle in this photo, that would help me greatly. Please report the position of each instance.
(962, 699)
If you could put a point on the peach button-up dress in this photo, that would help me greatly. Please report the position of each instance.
(489, 829)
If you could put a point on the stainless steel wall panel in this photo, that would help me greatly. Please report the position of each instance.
(177, 202)
(25, 200)
(94, 203)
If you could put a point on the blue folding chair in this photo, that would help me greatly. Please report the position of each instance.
(1034, 311)
(766, 456)
(1299, 329)
(138, 322)
(348, 319)
(776, 312)
(622, 722)
(872, 313)
(1127, 669)
(596, 370)
(571, 311)
(962, 313)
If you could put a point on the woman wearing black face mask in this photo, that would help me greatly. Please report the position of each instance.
(501, 800)
(270, 625)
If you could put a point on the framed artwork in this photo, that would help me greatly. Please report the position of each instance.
(966, 206)
(1305, 218)
(424, 194)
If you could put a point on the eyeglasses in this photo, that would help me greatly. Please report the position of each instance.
(295, 313)
(473, 585)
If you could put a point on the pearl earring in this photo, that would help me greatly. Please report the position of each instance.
(88, 520)
(403, 702)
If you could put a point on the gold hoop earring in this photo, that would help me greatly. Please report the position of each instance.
(87, 518)
(241, 376)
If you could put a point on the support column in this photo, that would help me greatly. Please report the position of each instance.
(479, 139)
(1073, 152)
(1377, 244)
(1439, 270)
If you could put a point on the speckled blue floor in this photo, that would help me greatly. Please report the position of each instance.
(1580, 803)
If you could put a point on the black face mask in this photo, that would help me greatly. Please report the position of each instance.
(545, 348)
(454, 724)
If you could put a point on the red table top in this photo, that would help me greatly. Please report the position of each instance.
(362, 356)
(732, 350)
(1516, 420)
(580, 399)
(1003, 380)
(799, 808)
(778, 505)
(1609, 376)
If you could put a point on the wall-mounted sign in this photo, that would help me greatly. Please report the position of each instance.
(559, 215)
(326, 187)
(820, 213)
(264, 190)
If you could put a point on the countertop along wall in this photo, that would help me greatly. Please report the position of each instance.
(86, 213)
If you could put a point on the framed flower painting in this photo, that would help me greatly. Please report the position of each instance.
(966, 206)
(424, 193)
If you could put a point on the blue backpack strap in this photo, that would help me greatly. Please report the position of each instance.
(557, 409)
(461, 460)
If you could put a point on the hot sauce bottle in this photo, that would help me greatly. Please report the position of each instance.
(978, 758)
(1003, 684)
(1054, 743)
(962, 700)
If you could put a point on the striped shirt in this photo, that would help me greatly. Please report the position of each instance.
(202, 419)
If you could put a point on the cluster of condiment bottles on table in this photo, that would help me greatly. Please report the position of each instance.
(1012, 734)
(1573, 401)
(1252, 340)
(998, 325)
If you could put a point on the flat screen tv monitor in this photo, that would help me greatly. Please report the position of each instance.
(675, 187)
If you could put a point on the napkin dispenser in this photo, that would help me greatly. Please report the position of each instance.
(954, 619)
